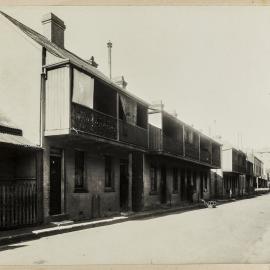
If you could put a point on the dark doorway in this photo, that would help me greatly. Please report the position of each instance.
(183, 186)
(189, 186)
(163, 186)
(124, 185)
(137, 182)
(55, 184)
(201, 184)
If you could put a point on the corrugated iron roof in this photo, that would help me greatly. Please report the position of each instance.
(16, 140)
(65, 54)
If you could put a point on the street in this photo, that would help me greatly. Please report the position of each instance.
(237, 232)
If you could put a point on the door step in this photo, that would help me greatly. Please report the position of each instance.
(58, 218)
(62, 223)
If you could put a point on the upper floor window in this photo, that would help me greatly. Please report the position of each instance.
(83, 89)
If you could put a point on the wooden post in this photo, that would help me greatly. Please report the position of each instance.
(39, 186)
(130, 181)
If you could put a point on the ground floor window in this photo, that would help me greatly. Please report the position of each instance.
(79, 170)
(109, 179)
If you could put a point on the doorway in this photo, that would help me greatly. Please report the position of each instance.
(163, 186)
(201, 184)
(124, 185)
(55, 183)
(183, 185)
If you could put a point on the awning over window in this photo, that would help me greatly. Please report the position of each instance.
(15, 140)
(83, 89)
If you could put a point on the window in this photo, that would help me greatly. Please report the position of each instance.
(109, 183)
(175, 180)
(141, 116)
(79, 170)
(83, 89)
(153, 177)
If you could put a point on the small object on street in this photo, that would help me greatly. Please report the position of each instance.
(209, 204)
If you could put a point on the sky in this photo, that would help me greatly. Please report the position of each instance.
(209, 64)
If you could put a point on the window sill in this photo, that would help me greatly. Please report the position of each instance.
(80, 190)
(107, 189)
(153, 193)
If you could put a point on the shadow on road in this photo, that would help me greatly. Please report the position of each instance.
(169, 214)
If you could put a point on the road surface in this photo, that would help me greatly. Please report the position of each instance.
(237, 232)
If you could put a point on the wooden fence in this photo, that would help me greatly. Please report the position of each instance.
(18, 203)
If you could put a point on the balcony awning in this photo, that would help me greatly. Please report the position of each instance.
(16, 140)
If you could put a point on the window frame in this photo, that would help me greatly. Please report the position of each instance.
(82, 187)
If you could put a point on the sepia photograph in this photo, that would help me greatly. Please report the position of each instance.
(134, 135)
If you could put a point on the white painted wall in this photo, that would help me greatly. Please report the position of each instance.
(20, 69)
(226, 160)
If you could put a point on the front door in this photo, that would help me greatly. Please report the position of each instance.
(183, 185)
(124, 185)
(163, 186)
(201, 185)
(55, 185)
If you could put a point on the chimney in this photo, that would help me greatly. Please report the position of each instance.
(92, 62)
(53, 29)
(120, 81)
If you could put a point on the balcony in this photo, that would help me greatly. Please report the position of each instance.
(133, 134)
(160, 142)
(93, 122)
(172, 145)
(216, 155)
(205, 156)
(205, 150)
(192, 151)
(155, 138)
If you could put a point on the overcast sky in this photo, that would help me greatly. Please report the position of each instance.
(210, 64)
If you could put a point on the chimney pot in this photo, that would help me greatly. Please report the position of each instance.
(121, 81)
(53, 29)
(93, 62)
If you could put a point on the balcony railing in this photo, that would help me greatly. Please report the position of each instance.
(133, 134)
(93, 122)
(173, 146)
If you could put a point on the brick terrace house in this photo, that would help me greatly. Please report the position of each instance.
(100, 154)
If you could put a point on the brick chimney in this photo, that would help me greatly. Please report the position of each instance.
(53, 29)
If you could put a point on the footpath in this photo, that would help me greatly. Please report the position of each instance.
(33, 233)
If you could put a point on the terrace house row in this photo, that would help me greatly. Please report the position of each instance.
(105, 151)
